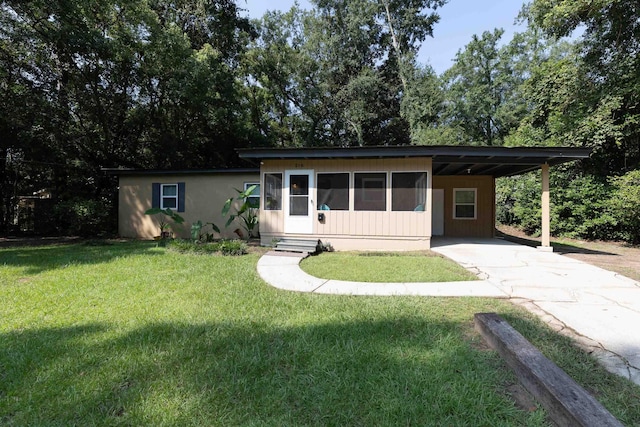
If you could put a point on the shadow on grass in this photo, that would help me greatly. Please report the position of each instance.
(36, 259)
(401, 371)
(560, 248)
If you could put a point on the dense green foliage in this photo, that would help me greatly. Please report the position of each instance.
(625, 205)
(159, 84)
(223, 247)
(585, 94)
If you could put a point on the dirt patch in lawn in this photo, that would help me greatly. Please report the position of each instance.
(618, 257)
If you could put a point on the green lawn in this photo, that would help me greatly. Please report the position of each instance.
(131, 334)
(398, 267)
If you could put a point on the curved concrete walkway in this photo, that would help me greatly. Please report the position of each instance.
(598, 308)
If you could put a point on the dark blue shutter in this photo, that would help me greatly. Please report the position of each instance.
(155, 198)
(181, 196)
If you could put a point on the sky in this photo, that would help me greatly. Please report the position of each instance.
(459, 20)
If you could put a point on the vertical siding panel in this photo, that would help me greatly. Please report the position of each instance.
(483, 225)
(404, 224)
(360, 223)
(386, 226)
(393, 225)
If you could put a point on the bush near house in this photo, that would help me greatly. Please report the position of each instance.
(224, 247)
(625, 205)
(584, 207)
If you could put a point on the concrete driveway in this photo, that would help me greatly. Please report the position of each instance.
(599, 308)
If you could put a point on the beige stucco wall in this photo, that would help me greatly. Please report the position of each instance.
(204, 197)
(356, 229)
(484, 224)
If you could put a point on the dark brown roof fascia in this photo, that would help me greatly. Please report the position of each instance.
(120, 171)
(437, 152)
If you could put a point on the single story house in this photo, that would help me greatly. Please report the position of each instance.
(197, 195)
(367, 198)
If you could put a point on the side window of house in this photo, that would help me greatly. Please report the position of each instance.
(370, 191)
(333, 191)
(254, 199)
(408, 191)
(171, 196)
(464, 203)
(272, 191)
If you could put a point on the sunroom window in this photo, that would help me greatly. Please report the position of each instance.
(273, 191)
(408, 191)
(370, 191)
(333, 191)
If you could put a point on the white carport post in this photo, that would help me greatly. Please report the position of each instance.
(546, 211)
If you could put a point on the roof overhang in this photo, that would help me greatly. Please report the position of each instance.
(125, 172)
(447, 160)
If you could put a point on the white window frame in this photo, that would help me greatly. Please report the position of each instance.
(474, 204)
(254, 196)
(163, 197)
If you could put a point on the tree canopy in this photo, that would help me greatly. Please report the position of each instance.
(181, 84)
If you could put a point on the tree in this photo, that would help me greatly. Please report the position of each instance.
(482, 88)
(117, 83)
(337, 75)
(610, 66)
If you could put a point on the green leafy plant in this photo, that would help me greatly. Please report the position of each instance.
(625, 205)
(224, 247)
(197, 235)
(247, 213)
(164, 216)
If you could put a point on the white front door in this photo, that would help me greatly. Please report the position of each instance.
(298, 203)
(437, 221)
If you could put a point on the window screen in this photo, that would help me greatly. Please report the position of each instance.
(333, 191)
(408, 191)
(370, 192)
(273, 191)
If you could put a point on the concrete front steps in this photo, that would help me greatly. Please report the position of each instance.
(302, 246)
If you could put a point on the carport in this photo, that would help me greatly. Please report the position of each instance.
(508, 161)
(448, 187)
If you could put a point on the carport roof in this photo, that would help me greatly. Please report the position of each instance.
(447, 159)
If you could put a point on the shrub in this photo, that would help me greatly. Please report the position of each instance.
(625, 205)
(518, 202)
(84, 217)
(233, 247)
(580, 208)
(224, 247)
(580, 205)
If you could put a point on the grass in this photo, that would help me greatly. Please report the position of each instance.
(132, 334)
(395, 267)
